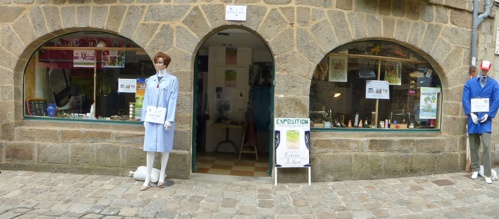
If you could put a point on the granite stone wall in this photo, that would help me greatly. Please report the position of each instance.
(299, 34)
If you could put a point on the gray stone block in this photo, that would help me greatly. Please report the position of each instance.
(52, 153)
(82, 154)
(10, 13)
(196, 23)
(132, 18)
(107, 155)
(52, 14)
(68, 16)
(83, 16)
(446, 163)
(115, 17)
(423, 163)
(396, 164)
(19, 152)
(99, 15)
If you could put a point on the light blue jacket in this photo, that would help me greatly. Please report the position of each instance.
(473, 89)
(162, 94)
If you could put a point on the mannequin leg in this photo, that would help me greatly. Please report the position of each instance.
(487, 171)
(150, 163)
(164, 161)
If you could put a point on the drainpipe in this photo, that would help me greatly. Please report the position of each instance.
(477, 20)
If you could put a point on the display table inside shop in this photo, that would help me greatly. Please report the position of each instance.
(227, 139)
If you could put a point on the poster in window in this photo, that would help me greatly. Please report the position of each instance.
(139, 97)
(83, 58)
(230, 55)
(338, 68)
(113, 59)
(377, 90)
(127, 85)
(230, 78)
(428, 102)
(393, 72)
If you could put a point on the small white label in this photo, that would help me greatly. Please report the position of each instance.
(235, 13)
(497, 41)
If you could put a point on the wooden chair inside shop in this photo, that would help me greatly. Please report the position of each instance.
(248, 140)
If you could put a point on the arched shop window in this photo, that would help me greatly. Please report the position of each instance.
(86, 76)
(376, 85)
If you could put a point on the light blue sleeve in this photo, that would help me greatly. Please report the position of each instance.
(145, 102)
(172, 102)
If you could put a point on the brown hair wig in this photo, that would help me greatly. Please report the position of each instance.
(166, 58)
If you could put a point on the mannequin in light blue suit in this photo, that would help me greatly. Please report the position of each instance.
(161, 91)
(480, 123)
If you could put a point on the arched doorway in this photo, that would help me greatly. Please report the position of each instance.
(233, 86)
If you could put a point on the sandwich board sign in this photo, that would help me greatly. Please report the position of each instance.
(292, 144)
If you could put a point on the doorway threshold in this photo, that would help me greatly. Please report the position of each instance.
(230, 178)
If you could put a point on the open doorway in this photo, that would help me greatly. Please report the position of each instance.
(233, 85)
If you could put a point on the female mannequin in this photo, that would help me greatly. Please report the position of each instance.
(160, 99)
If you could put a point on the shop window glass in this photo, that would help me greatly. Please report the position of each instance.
(86, 76)
(375, 85)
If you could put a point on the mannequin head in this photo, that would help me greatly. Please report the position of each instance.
(161, 61)
(485, 66)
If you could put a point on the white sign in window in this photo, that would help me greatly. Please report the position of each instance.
(127, 85)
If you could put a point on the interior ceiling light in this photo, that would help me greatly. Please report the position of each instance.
(337, 94)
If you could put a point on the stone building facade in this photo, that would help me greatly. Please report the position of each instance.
(298, 33)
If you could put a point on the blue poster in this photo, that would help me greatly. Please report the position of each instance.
(428, 102)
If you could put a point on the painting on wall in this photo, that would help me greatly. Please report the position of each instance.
(338, 68)
(393, 72)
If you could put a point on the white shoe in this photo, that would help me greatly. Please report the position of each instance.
(474, 175)
(488, 180)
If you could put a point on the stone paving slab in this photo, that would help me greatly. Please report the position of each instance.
(25, 194)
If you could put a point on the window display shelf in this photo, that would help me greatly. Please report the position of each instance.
(89, 48)
(383, 58)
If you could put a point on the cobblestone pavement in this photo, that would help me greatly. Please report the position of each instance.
(25, 194)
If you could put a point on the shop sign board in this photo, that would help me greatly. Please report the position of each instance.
(83, 58)
(292, 142)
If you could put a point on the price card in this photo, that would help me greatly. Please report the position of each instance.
(155, 114)
(479, 105)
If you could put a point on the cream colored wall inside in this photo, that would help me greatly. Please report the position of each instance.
(238, 102)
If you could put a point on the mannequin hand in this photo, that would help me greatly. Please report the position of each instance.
(484, 118)
(474, 118)
(167, 125)
(144, 124)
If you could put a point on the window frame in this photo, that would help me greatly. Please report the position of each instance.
(380, 59)
(96, 66)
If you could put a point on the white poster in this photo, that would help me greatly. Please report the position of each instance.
(292, 142)
(428, 102)
(377, 89)
(235, 12)
(127, 85)
(83, 58)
